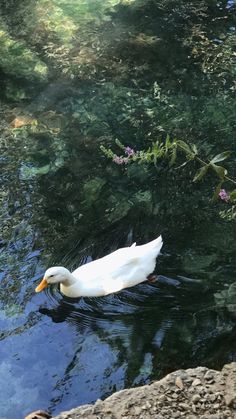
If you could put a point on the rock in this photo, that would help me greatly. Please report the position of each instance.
(211, 396)
(208, 375)
(22, 120)
(196, 382)
(39, 414)
(175, 415)
(194, 408)
(230, 384)
(162, 397)
(184, 406)
(196, 398)
(179, 383)
(137, 411)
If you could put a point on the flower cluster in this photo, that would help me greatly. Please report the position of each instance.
(224, 196)
(124, 160)
(129, 151)
(120, 159)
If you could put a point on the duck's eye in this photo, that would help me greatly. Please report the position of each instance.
(50, 276)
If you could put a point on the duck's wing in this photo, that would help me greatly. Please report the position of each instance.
(119, 262)
(110, 285)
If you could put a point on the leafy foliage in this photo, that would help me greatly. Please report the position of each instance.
(169, 149)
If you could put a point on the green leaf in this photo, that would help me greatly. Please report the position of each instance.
(168, 144)
(107, 152)
(119, 144)
(220, 157)
(233, 195)
(173, 156)
(215, 195)
(201, 173)
(195, 150)
(220, 170)
(183, 164)
(184, 146)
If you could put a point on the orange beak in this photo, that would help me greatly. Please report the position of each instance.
(43, 284)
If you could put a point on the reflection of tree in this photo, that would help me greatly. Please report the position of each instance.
(140, 64)
(133, 33)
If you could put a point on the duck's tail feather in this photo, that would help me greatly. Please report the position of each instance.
(154, 244)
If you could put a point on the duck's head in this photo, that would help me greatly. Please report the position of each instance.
(54, 275)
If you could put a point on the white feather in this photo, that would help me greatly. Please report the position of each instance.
(121, 269)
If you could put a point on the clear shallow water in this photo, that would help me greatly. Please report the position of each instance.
(68, 205)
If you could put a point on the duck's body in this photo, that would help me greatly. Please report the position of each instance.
(121, 269)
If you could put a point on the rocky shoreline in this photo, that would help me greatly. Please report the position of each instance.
(193, 393)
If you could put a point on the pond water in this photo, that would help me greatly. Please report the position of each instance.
(132, 70)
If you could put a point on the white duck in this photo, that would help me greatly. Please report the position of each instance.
(121, 269)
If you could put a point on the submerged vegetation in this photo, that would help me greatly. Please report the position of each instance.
(115, 78)
(75, 76)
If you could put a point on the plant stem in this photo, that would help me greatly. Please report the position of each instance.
(205, 164)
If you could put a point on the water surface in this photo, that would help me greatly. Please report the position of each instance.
(134, 71)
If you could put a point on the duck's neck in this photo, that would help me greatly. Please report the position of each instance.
(67, 288)
(69, 280)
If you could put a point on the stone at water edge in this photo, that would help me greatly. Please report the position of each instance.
(38, 414)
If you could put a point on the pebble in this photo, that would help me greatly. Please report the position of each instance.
(196, 398)
(209, 376)
(196, 382)
(211, 381)
(175, 415)
(179, 383)
(194, 409)
(189, 380)
(202, 390)
(184, 406)
(137, 410)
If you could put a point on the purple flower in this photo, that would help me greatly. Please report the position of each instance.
(224, 195)
(118, 160)
(129, 151)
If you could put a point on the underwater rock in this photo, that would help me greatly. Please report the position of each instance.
(227, 299)
(194, 263)
(92, 189)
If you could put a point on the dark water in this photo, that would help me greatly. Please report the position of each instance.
(64, 203)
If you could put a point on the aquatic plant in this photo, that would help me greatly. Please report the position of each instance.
(168, 150)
